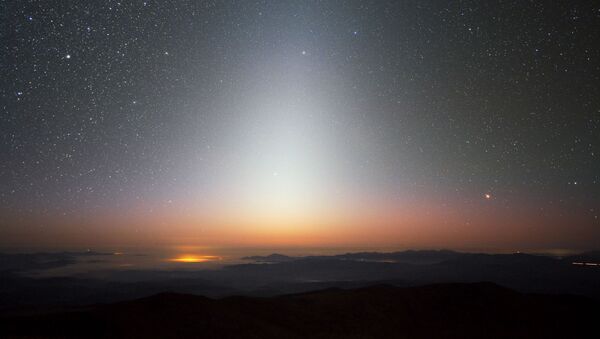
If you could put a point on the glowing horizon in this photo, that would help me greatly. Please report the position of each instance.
(194, 258)
(283, 123)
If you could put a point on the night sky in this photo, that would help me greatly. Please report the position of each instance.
(417, 123)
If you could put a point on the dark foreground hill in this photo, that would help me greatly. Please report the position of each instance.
(478, 310)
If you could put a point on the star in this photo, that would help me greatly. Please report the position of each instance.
(181, 100)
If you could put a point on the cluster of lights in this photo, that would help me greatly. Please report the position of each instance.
(195, 258)
(586, 264)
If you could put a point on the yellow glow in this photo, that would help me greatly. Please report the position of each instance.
(194, 258)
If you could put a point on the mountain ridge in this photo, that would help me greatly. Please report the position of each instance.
(453, 310)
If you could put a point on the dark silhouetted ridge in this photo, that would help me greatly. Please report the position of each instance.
(476, 310)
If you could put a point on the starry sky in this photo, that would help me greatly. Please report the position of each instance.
(405, 123)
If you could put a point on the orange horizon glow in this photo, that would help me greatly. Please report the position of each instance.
(416, 223)
(190, 258)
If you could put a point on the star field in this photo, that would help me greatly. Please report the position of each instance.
(109, 104)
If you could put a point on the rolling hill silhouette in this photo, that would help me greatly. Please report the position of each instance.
(475, 310)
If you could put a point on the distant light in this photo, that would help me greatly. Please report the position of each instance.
(195, 258)
(488, 196)
(585, 263)
(68, 56)
(303, 52)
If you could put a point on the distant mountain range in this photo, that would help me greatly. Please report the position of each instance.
(476, 310)
(272, 258)
(411, 257)
(278, 274)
